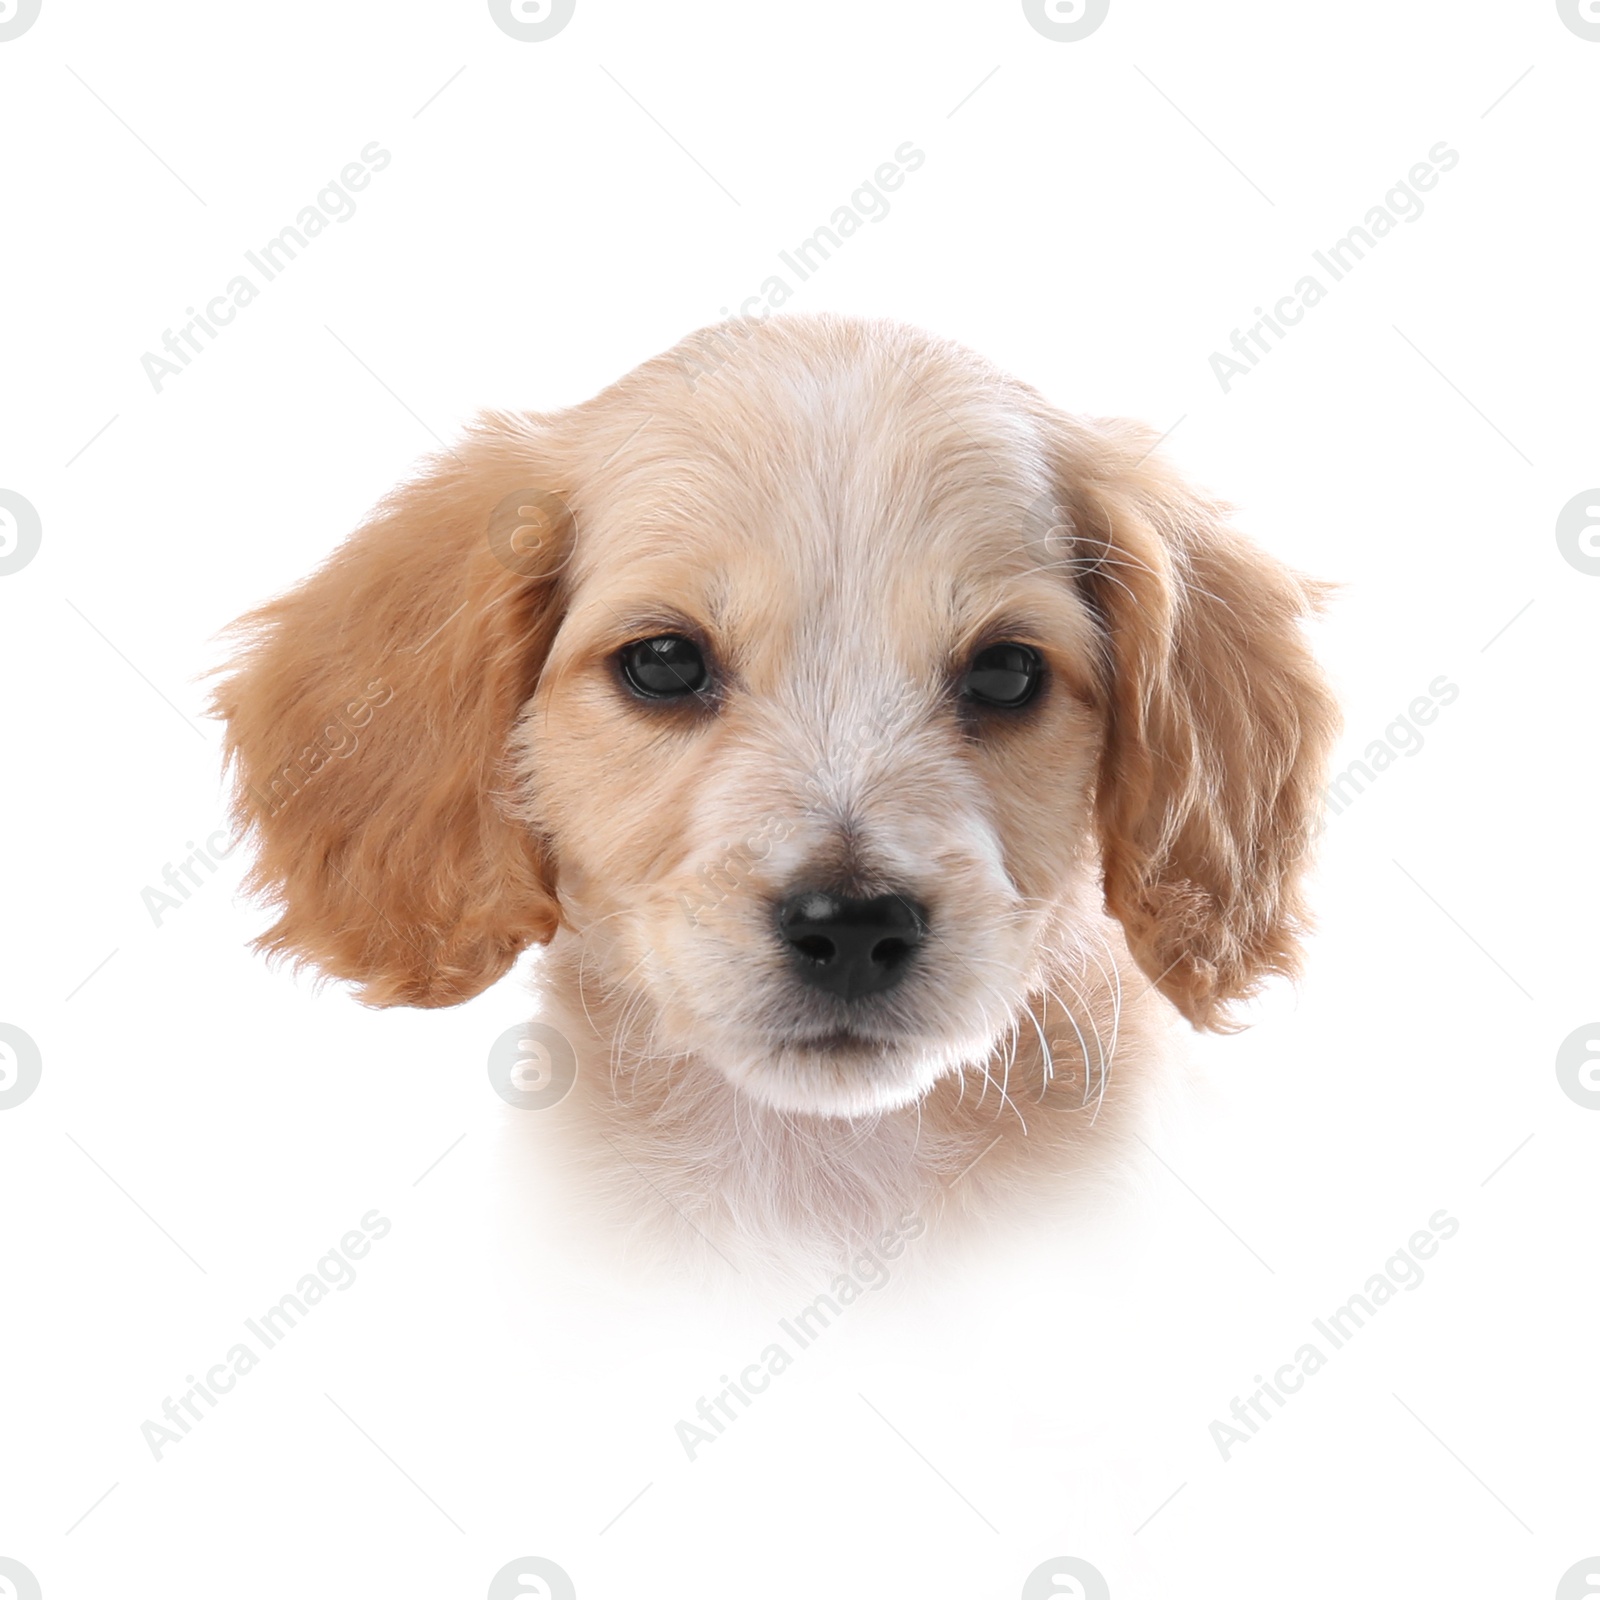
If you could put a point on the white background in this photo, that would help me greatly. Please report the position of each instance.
(206, 1128)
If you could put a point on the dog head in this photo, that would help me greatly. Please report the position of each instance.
(819, 691)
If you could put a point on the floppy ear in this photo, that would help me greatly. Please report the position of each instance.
(1219, 725)
(368, 716)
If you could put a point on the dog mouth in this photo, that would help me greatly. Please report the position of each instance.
(847, 1078)
(840, 1041)
(838, 1070)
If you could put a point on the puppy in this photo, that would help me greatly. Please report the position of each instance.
(880, 752)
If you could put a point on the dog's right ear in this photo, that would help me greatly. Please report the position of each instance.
(1219, 723)
(369, 713)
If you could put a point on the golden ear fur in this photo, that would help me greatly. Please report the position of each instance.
(368, 715)
(1219, 725)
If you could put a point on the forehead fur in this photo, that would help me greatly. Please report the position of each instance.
(860, 465)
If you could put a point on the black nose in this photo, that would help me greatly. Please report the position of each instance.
(851, 947)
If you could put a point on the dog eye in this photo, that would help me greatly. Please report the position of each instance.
(665, 667)
(1004, 675)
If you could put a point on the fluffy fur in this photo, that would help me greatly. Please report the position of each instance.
(841, 511)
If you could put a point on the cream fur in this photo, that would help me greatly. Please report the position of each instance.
(842, 511)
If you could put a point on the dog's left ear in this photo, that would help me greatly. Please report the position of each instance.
(1219, 723)
(369, 715)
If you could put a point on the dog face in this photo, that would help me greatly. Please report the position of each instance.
(820, 855)
(818, 696)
